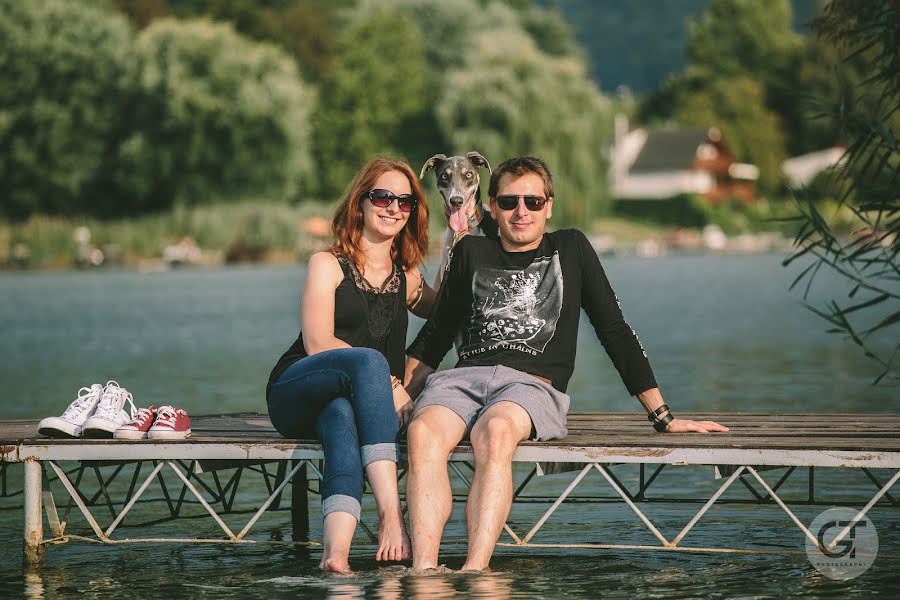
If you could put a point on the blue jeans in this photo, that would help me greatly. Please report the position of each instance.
(342, 397)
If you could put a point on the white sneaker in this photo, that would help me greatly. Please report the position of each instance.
(110, 413)
(72, 420)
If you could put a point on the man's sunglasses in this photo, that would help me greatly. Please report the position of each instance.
(509, 202)
(384, 198)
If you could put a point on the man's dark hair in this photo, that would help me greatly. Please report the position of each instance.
(519, 166)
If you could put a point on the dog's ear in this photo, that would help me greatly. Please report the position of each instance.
(429, 164)
(479, 161)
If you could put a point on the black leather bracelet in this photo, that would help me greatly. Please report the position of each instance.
(660, 425)
(652, 416)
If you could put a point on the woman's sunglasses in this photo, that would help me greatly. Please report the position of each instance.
(509, 202)
(384, 198)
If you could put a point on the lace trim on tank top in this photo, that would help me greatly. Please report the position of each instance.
(380, 302)
(391, 285)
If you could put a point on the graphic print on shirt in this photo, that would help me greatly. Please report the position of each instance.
(514, 309)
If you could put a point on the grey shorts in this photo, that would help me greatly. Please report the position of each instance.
(468, 391)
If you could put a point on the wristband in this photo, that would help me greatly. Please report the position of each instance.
(660, 425)
(655, 414)
(395, 383)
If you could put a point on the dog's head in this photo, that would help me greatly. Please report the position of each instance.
(458, 181)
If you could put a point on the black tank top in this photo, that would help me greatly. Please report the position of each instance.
(364, 317)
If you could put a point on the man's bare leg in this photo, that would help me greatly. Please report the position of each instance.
(494, 439)
(432, 434)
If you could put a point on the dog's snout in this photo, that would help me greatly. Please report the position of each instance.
(456, 200)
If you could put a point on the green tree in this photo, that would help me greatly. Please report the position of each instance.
(741, 54)
(510, 81)
(220, 117)
(735, 38)
(867, 181)
(522, 101)
(374, 89)
(65, 80)
(304, 28)
(736, 106)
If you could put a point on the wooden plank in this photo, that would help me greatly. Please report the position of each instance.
(826, 431)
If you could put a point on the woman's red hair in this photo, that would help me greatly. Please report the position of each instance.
(411, 244)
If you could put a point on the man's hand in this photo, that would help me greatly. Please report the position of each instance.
(403, 405)
(687, 425)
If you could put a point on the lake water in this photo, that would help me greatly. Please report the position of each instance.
(723, 334)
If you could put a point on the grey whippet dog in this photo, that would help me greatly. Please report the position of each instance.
(459, 181)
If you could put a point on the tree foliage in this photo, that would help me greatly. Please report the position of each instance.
(375, 87)
(736, 38)
(738, 52)
(524, 102)
(867, 182)
(512, 81)
(65, 77)
(220, 117)
(736, 105)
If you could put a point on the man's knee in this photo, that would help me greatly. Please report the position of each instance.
(429, 437)
(496, 434)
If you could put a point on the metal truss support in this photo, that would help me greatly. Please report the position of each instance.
(863, 512)
(675, 543)
(34, 542)
(218, 499)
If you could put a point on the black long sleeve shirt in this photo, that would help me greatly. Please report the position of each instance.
(521, 310)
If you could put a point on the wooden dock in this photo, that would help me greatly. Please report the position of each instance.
(596, 441)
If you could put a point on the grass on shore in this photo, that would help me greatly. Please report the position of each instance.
(50, 242)
(270, 231)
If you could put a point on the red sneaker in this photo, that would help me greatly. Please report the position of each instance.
(171, 424)
(137, 428)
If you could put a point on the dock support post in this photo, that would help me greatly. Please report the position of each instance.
(300, 505)
(33, 549)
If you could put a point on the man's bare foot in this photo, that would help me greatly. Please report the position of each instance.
(335, 565)
(393, 542)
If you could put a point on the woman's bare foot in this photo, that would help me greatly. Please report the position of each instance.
(335, 565)
(393, 542)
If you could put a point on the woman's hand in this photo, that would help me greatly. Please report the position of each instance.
(404, 405)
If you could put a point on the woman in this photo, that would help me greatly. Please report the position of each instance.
(340, 380)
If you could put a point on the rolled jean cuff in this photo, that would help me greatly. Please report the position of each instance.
(373, 452)
(341, 503)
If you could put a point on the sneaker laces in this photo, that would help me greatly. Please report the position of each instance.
(82, 403)
(113, 400)
(166, 416)
(142, 415)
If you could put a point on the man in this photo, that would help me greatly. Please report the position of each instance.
(516, 302)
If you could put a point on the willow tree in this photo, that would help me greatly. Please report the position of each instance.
(220, 117)
(524, 102)
(66, 69)
(513, 81)
(376, 86)
(868, 181)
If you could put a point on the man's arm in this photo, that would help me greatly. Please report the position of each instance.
(436, 336)
(652, 399)
(622, 344)
(416, 373)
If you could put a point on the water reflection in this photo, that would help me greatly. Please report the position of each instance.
(34, 584)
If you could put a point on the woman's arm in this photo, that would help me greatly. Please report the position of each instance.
(419, 295)
(323, 276)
